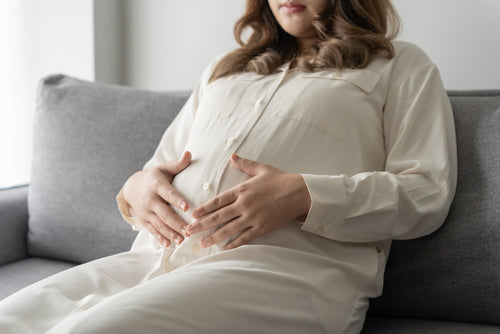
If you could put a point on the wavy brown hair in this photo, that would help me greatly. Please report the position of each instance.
(349, 32)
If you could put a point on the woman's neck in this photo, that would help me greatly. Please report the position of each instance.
(306, 43)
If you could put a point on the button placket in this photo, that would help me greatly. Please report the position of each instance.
(250, 119)
(206, 186)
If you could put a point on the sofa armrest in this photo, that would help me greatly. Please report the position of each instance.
(13, 223)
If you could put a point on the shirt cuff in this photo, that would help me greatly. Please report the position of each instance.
(328, 205)
(125, 212)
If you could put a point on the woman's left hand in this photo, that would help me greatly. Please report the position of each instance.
(270, 199)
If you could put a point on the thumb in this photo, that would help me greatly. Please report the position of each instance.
(249, 167)
(174, 167)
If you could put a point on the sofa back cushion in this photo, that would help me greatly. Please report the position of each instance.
(454, 274)
(88, 139)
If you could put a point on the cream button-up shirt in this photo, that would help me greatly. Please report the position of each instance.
(376, 147)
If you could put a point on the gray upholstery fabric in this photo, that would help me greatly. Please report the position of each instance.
(17, 275)
(13, 223)
(88, 139)
(378, 325)
(454, 274)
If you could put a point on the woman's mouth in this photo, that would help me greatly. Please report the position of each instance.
(291, 7)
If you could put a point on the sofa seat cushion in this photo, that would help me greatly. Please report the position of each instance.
(381, 325)
(88, 139)
(17, 275)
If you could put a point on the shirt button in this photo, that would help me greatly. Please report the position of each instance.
(206, 186)
(258, 103)
(195, 249)
(230, 141)
(320, 229)
(335, 75)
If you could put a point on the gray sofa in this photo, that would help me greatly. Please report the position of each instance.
(89, 137)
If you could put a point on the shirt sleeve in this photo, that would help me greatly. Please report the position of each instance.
(173, 141)
(412, 196)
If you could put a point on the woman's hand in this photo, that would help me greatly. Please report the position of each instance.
(270, 199)
(150, 194)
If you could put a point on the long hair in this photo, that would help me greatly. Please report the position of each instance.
(349, 33)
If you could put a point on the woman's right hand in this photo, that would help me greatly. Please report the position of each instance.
(150, 195)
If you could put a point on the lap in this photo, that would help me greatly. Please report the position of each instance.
(197, 301)
(226, 294)
(218, 293)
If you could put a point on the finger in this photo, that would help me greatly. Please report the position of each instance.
(249, 167)
(215, 204)
(184, 161)
(169, 217)
(226, 231)
(214, 219)
(176, 166)
(243, 239)
(164, 229)
(157, 235)
(171, 196)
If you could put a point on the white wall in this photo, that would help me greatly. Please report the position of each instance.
(109, 41)
(168, 43)
(460, 36)
(45, 36)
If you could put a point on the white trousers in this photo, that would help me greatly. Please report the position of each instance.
(223, 293)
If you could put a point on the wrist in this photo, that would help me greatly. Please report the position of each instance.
(302, 197)
(130, 186)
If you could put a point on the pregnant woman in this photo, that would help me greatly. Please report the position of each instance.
(271, 201)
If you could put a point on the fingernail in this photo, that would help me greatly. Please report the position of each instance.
(183, 206)
(178, 240)
(165, 243)
(185, 232)
(236, 157)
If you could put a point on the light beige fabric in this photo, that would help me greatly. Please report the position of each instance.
(376, 148)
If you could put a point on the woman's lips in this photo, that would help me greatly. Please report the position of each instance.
(290, 8)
